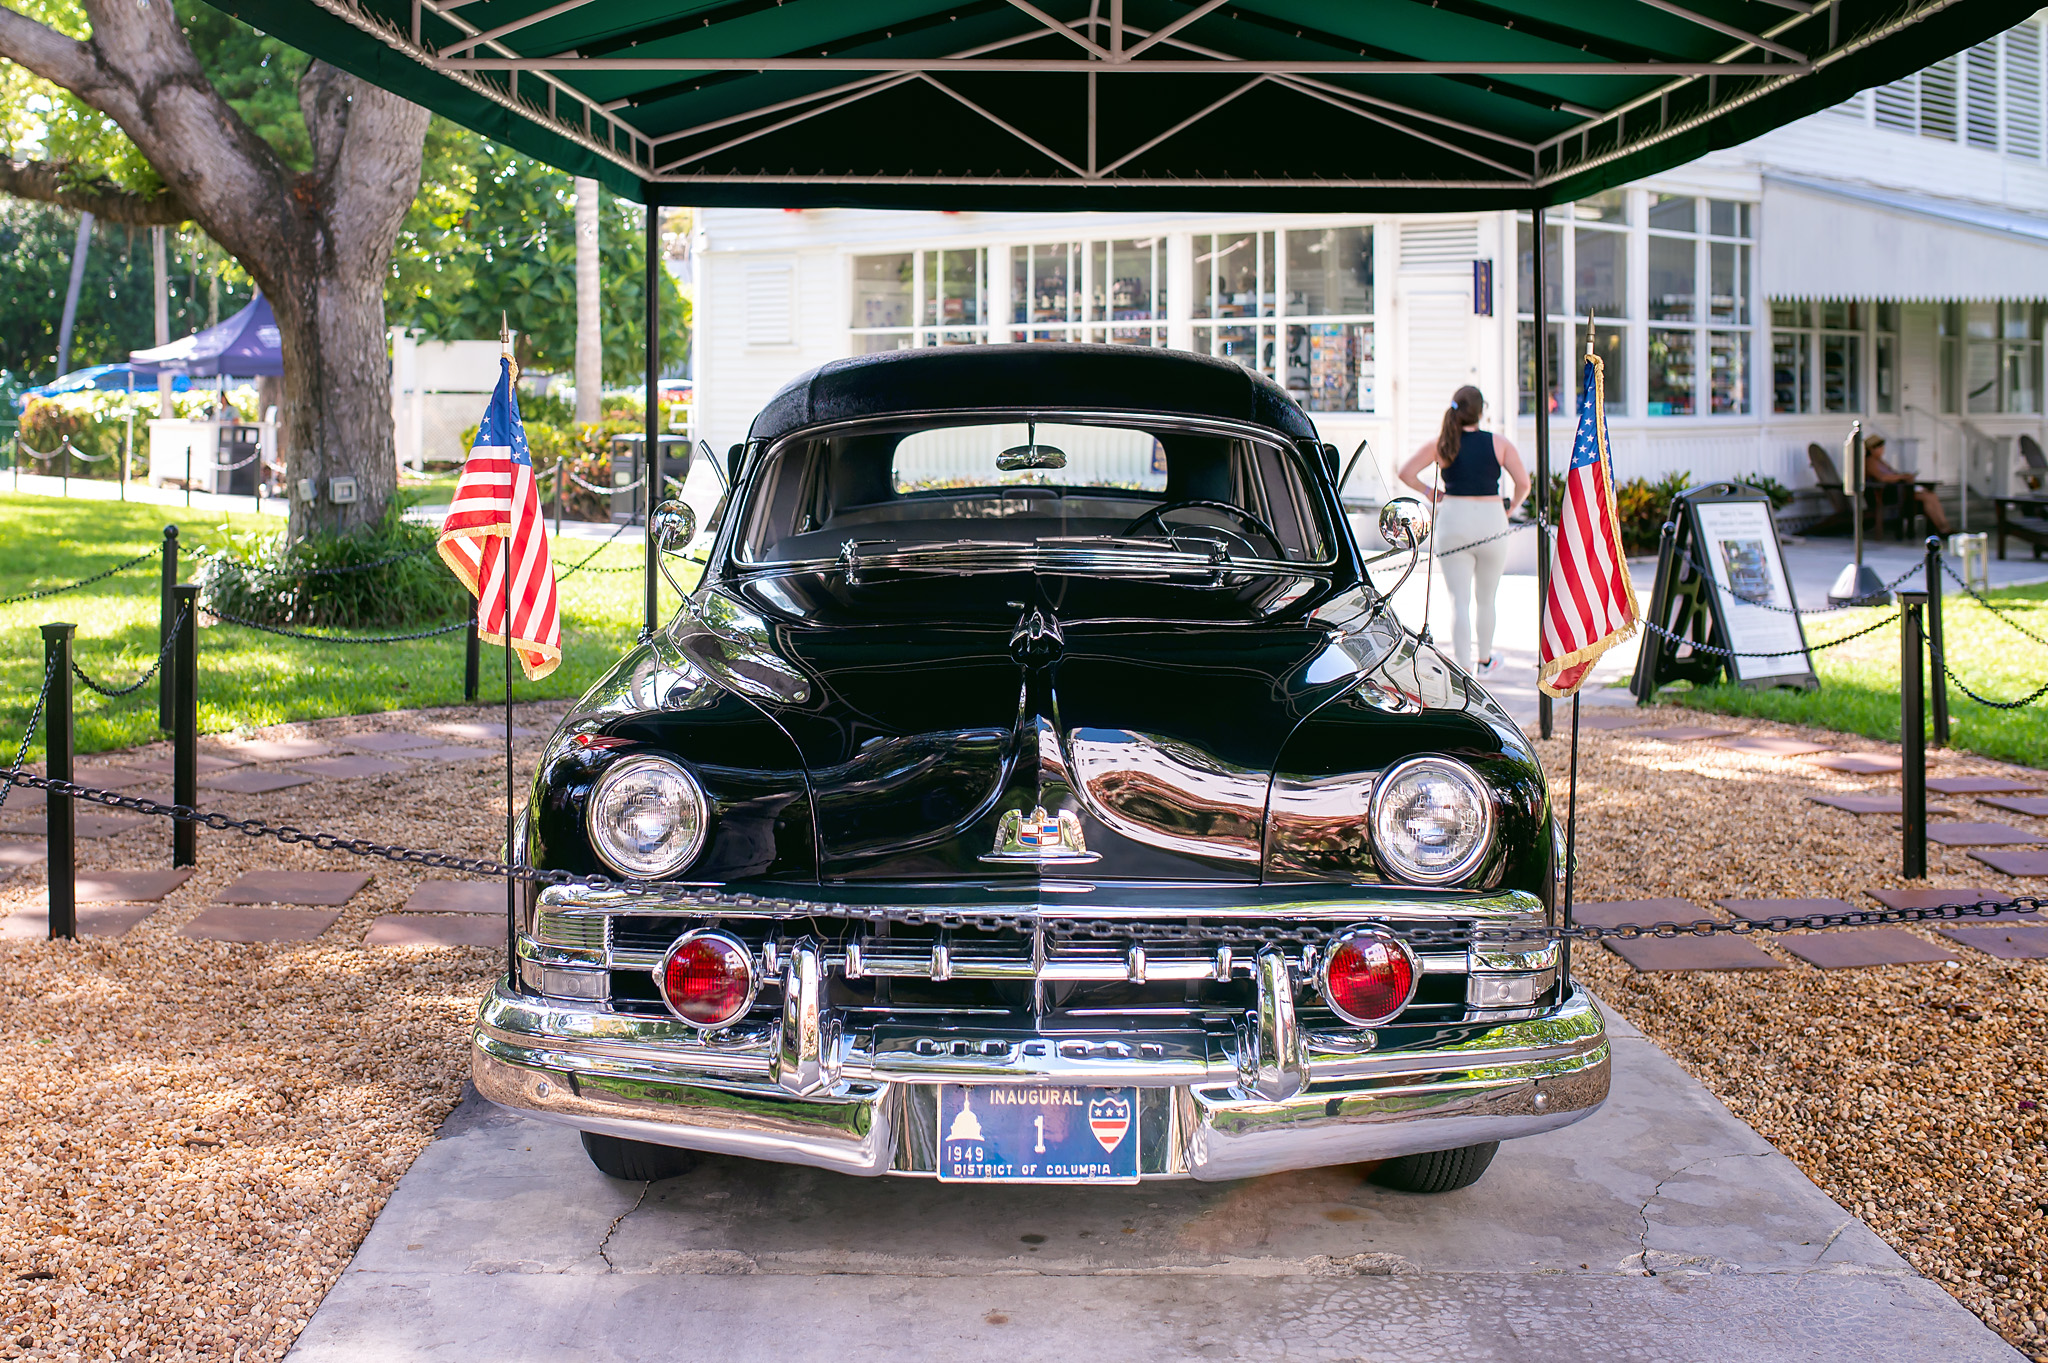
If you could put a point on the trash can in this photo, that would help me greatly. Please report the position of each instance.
(238, 460)
(627, 462)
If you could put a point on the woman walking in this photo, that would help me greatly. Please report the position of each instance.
(1468, 464)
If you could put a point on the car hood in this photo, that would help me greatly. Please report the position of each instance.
(1032, 749)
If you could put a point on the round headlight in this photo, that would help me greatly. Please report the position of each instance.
(647, 817)
(1432, 820)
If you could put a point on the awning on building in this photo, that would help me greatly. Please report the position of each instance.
(1833, 239)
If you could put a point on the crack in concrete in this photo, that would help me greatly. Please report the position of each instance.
(613, 1229)
(1642, 1256)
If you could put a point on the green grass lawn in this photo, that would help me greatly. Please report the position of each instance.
(247, 678)
(1859, 682)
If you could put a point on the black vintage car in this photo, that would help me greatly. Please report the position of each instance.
(1035, 788)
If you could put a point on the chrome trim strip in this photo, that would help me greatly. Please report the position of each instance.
(1277, 1067)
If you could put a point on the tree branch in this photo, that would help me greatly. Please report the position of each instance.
(61, 61)
(49, 182)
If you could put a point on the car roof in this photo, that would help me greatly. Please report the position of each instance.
(1105, 378)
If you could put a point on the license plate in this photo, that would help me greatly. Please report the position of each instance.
(1051, 1133)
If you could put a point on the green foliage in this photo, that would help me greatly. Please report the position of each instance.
(493, 232)
(1780, 495)
(263, 576)
(1640, 505)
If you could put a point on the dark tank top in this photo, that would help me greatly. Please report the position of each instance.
(1476, 470)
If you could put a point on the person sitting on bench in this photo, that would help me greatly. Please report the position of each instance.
(1875, 470)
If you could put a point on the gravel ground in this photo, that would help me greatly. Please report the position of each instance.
(1912, 1094)
(197, 1135)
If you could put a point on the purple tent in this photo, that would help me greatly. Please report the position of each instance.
(247, 343)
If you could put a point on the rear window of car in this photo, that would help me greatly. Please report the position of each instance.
(1023, 481)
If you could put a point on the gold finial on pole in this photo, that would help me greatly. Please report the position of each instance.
(505, 344)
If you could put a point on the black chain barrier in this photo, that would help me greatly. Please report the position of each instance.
(1964, 687)
(1698, 647)
(2002, 613)
(116, 692)
(673, 896)
(1876, 598)
(338, 638)
(35, 720)
(623, 526)
(82, 582)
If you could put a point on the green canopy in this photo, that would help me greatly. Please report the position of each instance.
(1302, 105)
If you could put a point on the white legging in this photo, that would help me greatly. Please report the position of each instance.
(1471, 573)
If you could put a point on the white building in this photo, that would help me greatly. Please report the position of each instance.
(1886, 261)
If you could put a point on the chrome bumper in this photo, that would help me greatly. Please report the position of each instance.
(862, 1100)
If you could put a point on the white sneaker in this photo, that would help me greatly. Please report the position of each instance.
(1487, 668)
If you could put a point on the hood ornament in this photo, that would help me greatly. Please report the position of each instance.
(1041, 839)
(1037, 637)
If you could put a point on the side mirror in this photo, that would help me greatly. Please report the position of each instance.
(673, 526)
(1404, 522)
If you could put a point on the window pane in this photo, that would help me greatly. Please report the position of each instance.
(1671, 373)
(1330, 366)
(2017, 315)
(876, 342)
(1251, 347)
(1674, 213)
(1790, 388)
(1329, 273)
(1125, 276)
(1553, 269)
(881, 291)
(1610, 206)
(953, 285)
(1786, 313)
(1044, 295)
(1728, 372)
(1728, 282)
(1841, 316)
(1526, 349)
(1726, 218)
(1887, 373)
(1887, 316)
(1608, 343)
(1600, 273)
(1242, 278)
(1841, 372)
(2022, 377)
(1980, 320)
(1672, 282)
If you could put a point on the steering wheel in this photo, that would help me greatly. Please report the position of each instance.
(1159, 514)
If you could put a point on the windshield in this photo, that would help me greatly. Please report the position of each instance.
(1048, 490)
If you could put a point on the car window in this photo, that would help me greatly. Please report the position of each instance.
(1025, 482)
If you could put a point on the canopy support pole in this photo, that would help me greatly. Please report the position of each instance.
(650, 459)
(1539, 307)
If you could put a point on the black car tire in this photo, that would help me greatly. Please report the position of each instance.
(1439, 1171)
(636, 1161)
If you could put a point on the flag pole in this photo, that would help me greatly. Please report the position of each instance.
(511, 802)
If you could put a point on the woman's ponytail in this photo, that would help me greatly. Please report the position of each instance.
(1467, 405)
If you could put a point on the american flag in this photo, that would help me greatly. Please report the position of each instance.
(1592, 604)
(494, 525)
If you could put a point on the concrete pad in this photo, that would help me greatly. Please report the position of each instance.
(22, 799)
(457, 896)
(294, 887)
(1684, 734)
(1784, 908)
(1763, 745)
(1840, 950)
(2020, 942)
(478, 732)
(451, 752)
(436, 930)
(85, 823)
(1639, 911)
(2036, 805)
(1608, 719)
(1935, 898)
(1862, 762)
(389, 742)
(93, 920)
(1648, 954)
(132, 887)
(15, 855)
(1980, 785)
(1661, 1228)
(205, 761)
(1980, 835)
(2014, 863)
(221, 923)
(280, 749)
(1890, 803)
(352, 767)
(136, 773)
(253, 782)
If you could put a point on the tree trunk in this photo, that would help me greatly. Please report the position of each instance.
(589, 309)
(318, 244)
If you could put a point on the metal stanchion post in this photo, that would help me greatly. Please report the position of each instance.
(67, 466)
(1912, 737)
(61, 819)
(1936, 682)
(165, 688)
(471, 664)
(185, 738)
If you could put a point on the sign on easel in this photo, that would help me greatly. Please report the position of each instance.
(1721, 581)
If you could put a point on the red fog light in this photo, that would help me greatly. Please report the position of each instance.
(707, 979)
(1368, 977)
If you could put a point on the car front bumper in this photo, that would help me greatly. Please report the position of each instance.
(864, 1101)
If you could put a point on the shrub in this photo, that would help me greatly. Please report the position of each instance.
(266, 578)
